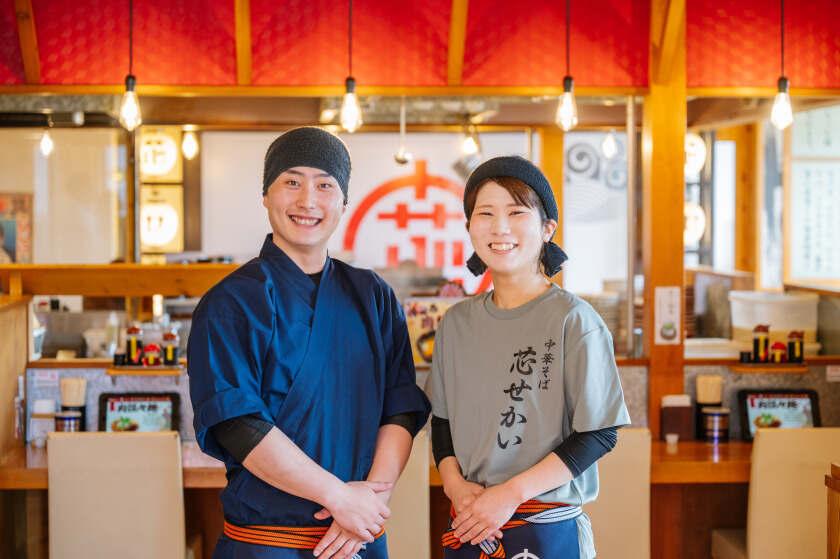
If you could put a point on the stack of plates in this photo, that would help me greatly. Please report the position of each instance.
(711, 348)
(690, 317)
(608, 305)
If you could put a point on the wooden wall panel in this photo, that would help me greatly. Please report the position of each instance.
(13, 356)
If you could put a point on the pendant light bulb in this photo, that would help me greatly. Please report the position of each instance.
(46, 146)
(403, 156)
(469, 146)
(610, 146)
(351, 110)
(130, 107)
(782, 113)
(567, 115)
(189, 145)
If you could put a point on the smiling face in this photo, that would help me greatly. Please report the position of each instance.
(304, 207)
(508, 227)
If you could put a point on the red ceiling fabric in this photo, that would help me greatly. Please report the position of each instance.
(82, 41)
(183, 42)
(401, 43)
(298, 42)
(737, 43)
(304, 42)
(11, 63)
(524, 43)
(812, 43)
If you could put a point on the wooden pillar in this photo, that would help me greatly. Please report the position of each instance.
(663, 155)
(131, 198)
(132, 209)
(746, 199)
(551, 163)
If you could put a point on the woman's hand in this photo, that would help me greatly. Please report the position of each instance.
(484, 517)
(462, 493)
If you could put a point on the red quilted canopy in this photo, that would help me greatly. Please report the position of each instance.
(304, 42)
(521, 43)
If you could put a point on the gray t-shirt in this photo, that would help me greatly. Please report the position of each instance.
(514, 383)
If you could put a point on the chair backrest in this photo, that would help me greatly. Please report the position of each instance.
(787, 505)
(408, 528)
(115, 495)
(621, 513)
(832, 483)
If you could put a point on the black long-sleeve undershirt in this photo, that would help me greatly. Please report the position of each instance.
(578, 451)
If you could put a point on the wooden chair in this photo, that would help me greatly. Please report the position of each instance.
(115, 495)
(408, 528)
(621, 513)
(787, 504)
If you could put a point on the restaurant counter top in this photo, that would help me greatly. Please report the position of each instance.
(688, 463)
(102, 363)
(8, 301)
(25, 467)
(621, 361)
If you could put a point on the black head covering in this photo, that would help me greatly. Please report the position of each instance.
(307, 147)
(519, 168)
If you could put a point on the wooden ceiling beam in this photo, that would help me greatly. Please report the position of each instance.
(761, 91)
(457, 40)
(323, 91)
(28, 41)
(242, 17)
(670, 38)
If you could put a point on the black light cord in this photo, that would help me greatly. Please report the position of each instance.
(568, 33)
(782, 33)
(130, 36)
(350, 37)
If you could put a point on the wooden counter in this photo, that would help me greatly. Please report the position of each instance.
(698, 462)
(26, 468)
(690, 463)
(9, 302)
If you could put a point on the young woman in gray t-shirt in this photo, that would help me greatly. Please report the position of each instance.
(524, 388)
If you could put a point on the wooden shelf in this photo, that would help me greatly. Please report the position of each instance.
(826, 290)
(810, 361)
(112, 280)
(80, 363)
(770, 368)
(144, 371)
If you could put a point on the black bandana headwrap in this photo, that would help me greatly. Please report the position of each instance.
(552, 257)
